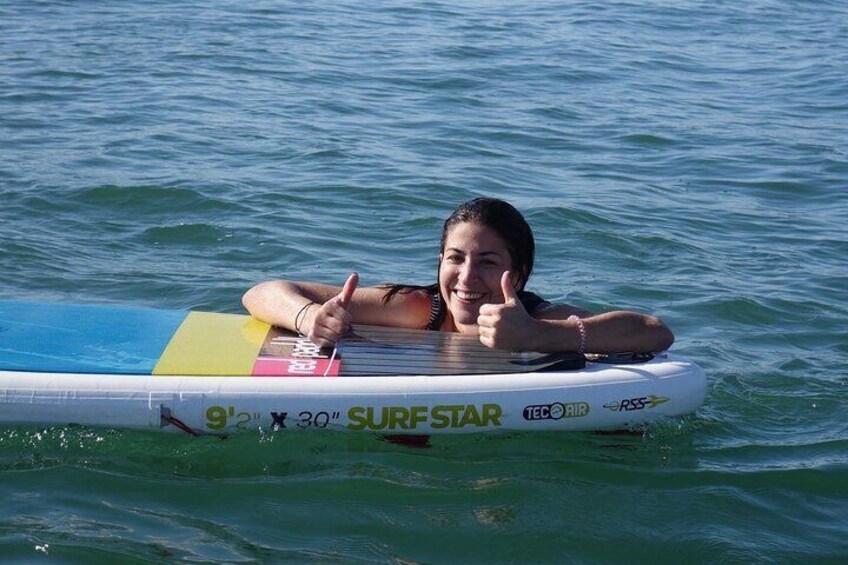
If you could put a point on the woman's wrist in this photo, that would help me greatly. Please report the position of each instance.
(560, 335)
(300, 318)
(580, 328)
(546, 336)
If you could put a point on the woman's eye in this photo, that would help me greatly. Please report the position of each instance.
(454, 259)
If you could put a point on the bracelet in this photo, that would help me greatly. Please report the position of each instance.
(297, 320)
(581, 329)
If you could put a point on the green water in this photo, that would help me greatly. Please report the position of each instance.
(686, 159)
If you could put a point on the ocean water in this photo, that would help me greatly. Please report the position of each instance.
(684, 158)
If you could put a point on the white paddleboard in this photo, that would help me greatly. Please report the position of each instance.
(216, 373)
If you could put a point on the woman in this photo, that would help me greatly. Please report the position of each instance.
(485, 260)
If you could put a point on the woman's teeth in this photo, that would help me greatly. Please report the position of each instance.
(468, 295)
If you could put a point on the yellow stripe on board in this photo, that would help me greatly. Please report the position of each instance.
(208, 343)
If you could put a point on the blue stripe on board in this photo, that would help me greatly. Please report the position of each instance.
(73, 338)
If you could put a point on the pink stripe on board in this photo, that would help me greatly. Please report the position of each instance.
(295, 367)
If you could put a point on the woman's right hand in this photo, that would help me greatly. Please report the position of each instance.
(332, 320)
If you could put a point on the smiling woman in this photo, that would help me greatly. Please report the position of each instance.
(485, 261)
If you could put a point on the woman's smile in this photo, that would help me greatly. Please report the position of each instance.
(467, 296)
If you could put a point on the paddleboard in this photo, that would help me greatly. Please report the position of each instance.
(216, 373)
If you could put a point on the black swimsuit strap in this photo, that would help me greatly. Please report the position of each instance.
(438, 311)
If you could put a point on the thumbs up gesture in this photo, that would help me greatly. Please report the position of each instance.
(508, 325)
(333, 319)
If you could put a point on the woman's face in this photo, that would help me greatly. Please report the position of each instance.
(470, 269)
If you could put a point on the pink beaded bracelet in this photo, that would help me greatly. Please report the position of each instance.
(581, 329)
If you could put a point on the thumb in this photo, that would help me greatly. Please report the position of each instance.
(347, 291)
(510, 296)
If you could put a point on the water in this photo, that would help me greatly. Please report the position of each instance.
(683, 158)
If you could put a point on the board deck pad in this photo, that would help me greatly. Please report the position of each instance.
(375, 350)
(98, 339)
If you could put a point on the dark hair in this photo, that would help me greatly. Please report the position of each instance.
(503, 219)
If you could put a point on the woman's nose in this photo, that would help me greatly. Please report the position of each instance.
(467, 272)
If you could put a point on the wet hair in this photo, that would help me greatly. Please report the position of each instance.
(504, 220)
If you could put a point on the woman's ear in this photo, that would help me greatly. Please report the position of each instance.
(517, 280)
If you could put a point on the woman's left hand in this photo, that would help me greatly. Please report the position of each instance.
(508, 325)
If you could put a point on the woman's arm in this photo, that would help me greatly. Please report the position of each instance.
(324, 312)
(558, 328)
(610, 332)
